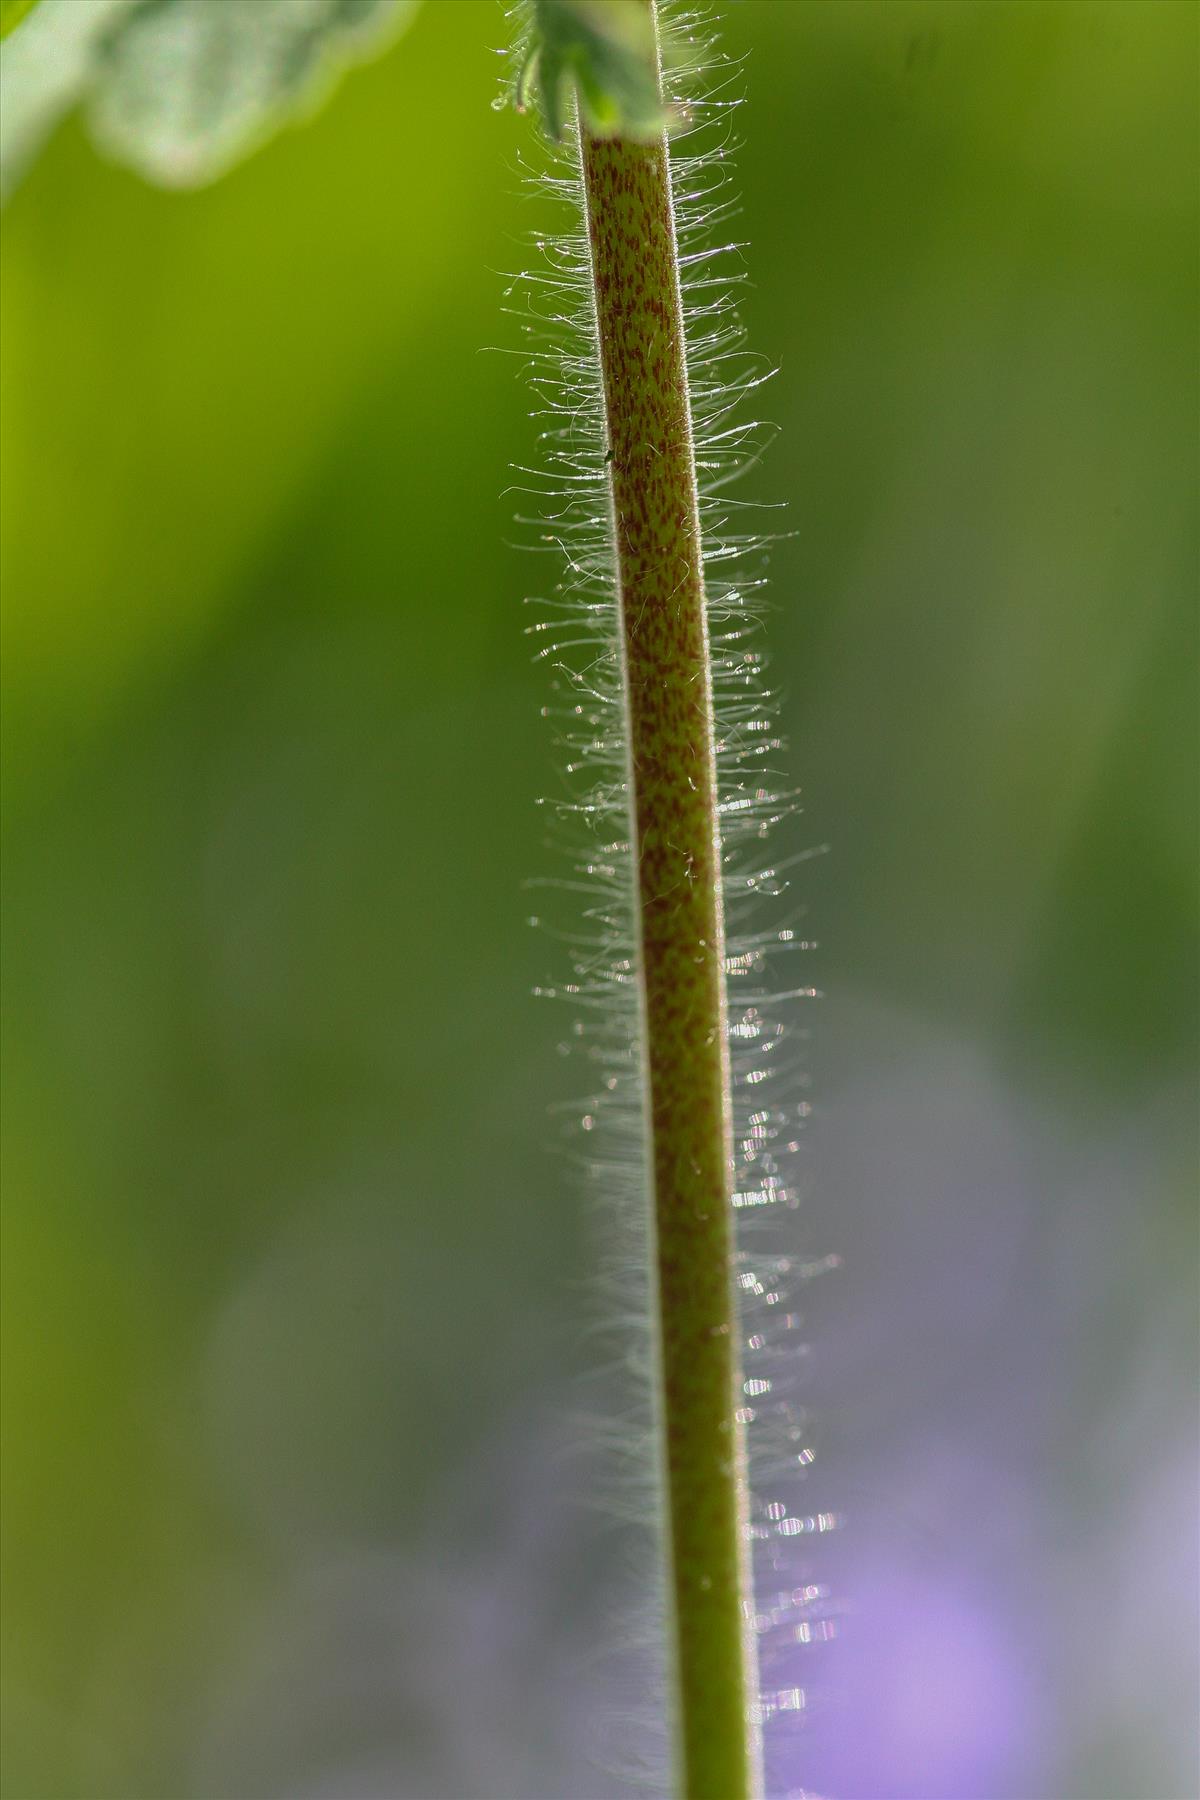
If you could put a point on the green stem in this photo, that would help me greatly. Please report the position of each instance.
(639, 320)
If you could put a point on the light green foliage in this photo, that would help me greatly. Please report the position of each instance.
(45, 69)
(604, 51)
(12, 12)
(180, 89)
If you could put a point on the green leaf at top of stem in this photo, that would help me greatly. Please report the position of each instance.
(604, 52)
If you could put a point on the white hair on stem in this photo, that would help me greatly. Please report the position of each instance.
(579, 637)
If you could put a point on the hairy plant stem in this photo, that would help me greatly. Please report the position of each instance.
(639, 320)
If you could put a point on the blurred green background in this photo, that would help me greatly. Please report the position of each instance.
(291, 1280)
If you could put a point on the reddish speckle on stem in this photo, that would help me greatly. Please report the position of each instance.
(652, 475)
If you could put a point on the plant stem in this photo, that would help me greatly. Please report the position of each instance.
(639, 319)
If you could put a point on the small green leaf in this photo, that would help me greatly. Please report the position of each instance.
(12, 12)
(603, 52)
(187, 88)
(180, 90)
